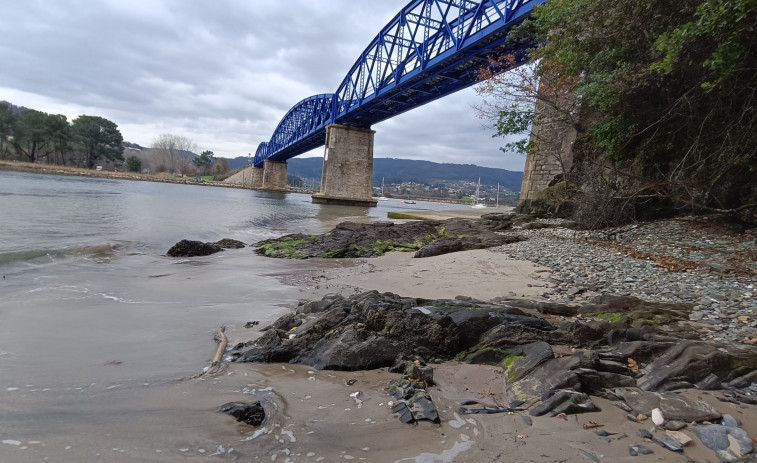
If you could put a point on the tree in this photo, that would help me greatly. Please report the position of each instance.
(30, 134)
(97, 137)
(221, 166)
(7, 122)
(666, 97)
(133, 164)
(204, 160)
(177, 149)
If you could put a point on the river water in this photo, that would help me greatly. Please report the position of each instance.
(100, 333)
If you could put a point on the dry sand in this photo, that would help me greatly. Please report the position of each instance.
(482, 274)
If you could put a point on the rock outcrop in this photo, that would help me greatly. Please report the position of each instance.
(189, 248)
(425, 238)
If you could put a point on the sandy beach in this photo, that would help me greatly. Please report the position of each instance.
(372, 433)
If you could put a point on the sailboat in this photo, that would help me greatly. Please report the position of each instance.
(382, 197)
(478, 205)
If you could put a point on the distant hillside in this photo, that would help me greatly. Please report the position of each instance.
(395, 171)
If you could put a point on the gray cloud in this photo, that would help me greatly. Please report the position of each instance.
(222, 73)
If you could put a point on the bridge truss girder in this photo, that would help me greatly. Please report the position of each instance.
(431, 49)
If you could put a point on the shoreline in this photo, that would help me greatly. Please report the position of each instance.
(550, 268)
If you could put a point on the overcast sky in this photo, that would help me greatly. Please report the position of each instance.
(222, 73)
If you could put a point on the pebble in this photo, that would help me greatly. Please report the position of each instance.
(725, 305)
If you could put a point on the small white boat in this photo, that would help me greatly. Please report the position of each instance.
(408, 202)
(382, 197)
(478, 205)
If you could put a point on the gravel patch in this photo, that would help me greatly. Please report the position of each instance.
(682, 260)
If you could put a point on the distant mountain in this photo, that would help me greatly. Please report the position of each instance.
(395, 171)
(14, 109)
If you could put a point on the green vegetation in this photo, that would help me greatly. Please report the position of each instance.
(98, 138)
(285, 247)
(661, 94)
(507, 365)
(612, 317)
(133, 164)
(204, 160)
(470, 353)
(37, 137)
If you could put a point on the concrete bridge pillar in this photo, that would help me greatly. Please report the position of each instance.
(347, 177)
(257, 177)
(552, 135)
(274, 176)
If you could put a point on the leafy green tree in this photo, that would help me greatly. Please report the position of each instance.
(7, 122)
(133, 164)
(666, 92)
(35, 133)
(204, 160)
(98, 138)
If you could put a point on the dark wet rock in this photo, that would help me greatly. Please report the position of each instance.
(250, 413)
(307, 307)
(439, 247)
(646, 434)
(228, 243)
(547, 308)
(638, 449)
(423, 408)
(610, 366)
(679, 408)
(638, 310)
(527, 420)
(729, 420)
(544, 380)
(729, 443)
(370, 330)
(692, 362)
(568, 402)
(414, 402)
(744, 381)
(405, 415)
(522, 360)
(187, 248)
(428, 238)
(710, 382)
(640, 401)
(672, 444)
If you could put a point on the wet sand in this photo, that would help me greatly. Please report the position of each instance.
(316, 417)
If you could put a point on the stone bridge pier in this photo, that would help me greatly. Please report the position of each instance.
(553, 133)
(274, 176)
(347, 177)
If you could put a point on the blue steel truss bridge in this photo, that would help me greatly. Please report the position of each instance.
(432, 48)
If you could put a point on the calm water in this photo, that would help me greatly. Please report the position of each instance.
(99, 330)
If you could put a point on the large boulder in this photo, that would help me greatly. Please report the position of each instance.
(250, 413)
(428, 237)
(688, 363)
(370, 330)
(189, 248)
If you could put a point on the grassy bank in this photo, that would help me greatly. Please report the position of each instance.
(49, 169)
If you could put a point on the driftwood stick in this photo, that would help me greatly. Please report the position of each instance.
(223, 341)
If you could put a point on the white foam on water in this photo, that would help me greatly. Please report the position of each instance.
(290, 435)
(458, 422)
(257, 434)
(447, 456)
(12, 442)
(11, 389)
